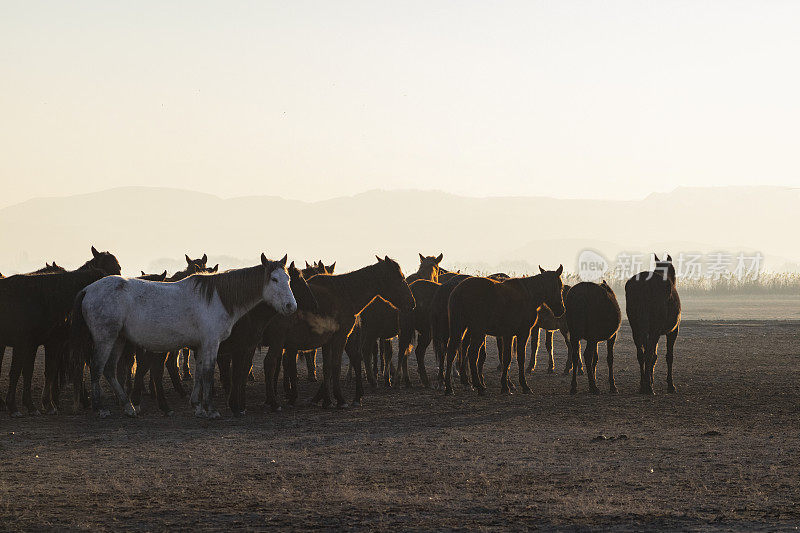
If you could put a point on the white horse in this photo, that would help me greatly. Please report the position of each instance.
(198, 311)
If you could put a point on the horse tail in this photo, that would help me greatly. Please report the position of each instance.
(80, 339)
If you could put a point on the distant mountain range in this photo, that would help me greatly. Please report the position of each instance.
(152, 228)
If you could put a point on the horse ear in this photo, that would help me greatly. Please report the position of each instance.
(264, 259)
(541, 270)
(439, 259)
(379, 259)
(307, 265)
(669, 258)
(559, 270)
(320, 264)
(282, 262)
(188, 261)
(657, 259)
(95, 253)
(216, 267)
(331, 267)
(164, 274)
(204, 259)
(386, 258)
(421, 258)
(292, 267)
(143, 274)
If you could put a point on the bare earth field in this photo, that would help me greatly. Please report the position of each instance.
(721, 454)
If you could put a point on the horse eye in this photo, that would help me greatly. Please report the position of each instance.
(275, 280)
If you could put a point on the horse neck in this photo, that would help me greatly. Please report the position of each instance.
(358, 288)
(534, 285)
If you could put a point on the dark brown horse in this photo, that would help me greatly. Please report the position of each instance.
(378, 322)
(593, 315)
(341, 298)
(33, 311)
(654, 309)
(235, 356)
(428, 269)
(505, 309)
(310, 356)
(318, 267)
(46, 269)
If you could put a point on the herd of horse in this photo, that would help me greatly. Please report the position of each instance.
(127, 329)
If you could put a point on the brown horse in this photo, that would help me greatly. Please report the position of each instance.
(654, 309)
(341, 298)
(428, 269)
(378, 322)
(593, 315)
(318, 268)
(35, 311)
(505, 309)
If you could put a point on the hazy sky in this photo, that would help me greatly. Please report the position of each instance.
(320, 99)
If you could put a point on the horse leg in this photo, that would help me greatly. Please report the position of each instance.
(171, 364)
(568, 364)
(548, 344)
(423, 341)
(369, 369)
(142, 365)
(18, 356)
(183, 359)
(522, 343)
(27, 379)
(439, 350)
(472, 356)
(651, 356)
(157, 375)
(2, 400)
(402, 358)
(110, 372)
(481, 363)
(336, 358)
(354, 355)
(463, 361)
(574, 351)
(205, 360)
(505, 357)
(610, 358)
(52, 355)
(311, 365)
(271, 362)
(452, 348)
(590, 360)
(389, 372)
(639, 342)
(535, 348)
(671, 337)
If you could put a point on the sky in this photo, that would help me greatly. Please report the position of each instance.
(314, 100)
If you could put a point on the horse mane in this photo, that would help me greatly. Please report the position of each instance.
(236, 288)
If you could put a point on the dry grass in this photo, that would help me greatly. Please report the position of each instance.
(412, 459)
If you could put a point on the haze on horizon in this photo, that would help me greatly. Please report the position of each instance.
(312, 100)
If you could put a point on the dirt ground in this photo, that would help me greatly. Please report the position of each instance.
(721, 454)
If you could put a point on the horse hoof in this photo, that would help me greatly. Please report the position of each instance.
(526, 390)
(169, 413)
(551, 370)
(34, 412)
(671, 388)
(137, 409)
(311, 379)
(343, 405)
(130, 411)
(238, 414)
(52, 411)
(214, 415)
(580, 372)
(104, 413)
(356, 403)
(199, 412)
(448, 392)
(573, 390)
(613, 389)
(506, 392)
(16, 414)
(594, 391)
